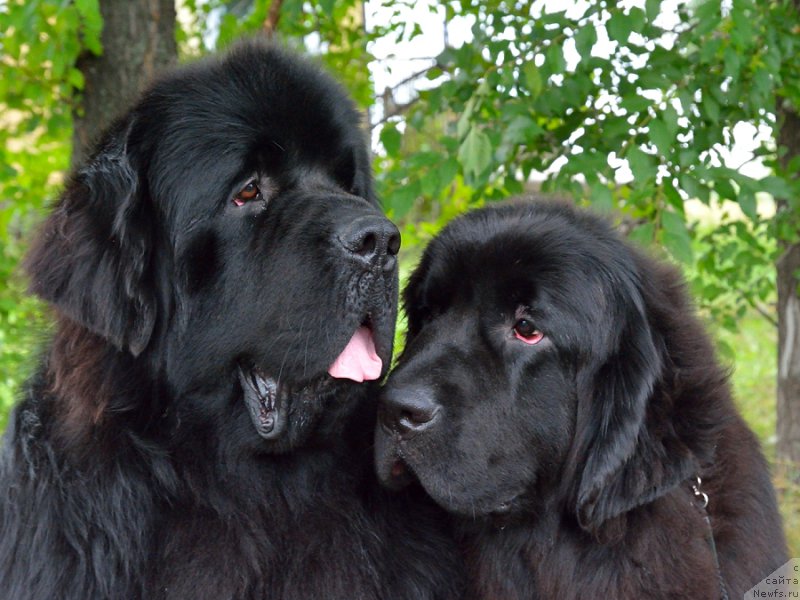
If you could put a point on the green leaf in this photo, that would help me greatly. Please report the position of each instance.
(89, 11)
(670, 116)
(762, 86)
(733, 63)
(660, 136)
(692, 187)
(688, 157)
(464, 121)
(401, 200)
(555, 59)
(652, 9)
(710, 107)
(75, 79)
(686, 99)
(522, 130)
(601, 198)
(533, 78)
(725, 189)
(709, 51)
(676, 237)
(448, 171)
(642, 165)
(643, 234)
(637, 18)
(475, 153)
(619, 27)
(747, 202)
(585, 39)
(391, 139)
(614, 127)
(635, 103)
(654, 80)
(777, 187)
(708, 14)
(672, 195)
(429, 183)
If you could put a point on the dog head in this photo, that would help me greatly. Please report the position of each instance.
(225, 232)
(539, 364)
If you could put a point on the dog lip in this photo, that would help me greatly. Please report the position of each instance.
(382, 333)
(376, 330)
(265, 404)
(398, 475)
(394, 472)
(269, 401)
(398, 469)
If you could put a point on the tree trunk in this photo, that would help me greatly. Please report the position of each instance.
(788, 269)
(138, 42)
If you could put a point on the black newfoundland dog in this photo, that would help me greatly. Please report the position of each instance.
(559, 396)
(223, 282)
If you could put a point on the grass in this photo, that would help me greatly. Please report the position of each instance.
(754, 365)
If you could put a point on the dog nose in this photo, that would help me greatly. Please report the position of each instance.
(371, 239)
(408, 410)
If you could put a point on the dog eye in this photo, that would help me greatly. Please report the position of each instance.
(247, 193)
(525, 331)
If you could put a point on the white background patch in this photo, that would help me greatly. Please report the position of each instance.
(782, 583)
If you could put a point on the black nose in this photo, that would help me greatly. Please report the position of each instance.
(408, 410)
(370, 239)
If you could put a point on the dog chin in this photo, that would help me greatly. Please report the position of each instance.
(395, 474)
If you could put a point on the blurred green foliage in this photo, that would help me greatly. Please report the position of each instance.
(754, 380)
(656, 112)
(38, 80)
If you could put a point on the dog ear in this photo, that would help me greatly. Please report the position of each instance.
(93, 253)
(630, 451)
(415, 300)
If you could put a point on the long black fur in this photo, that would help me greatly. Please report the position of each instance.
(568, 462)
(131, 467)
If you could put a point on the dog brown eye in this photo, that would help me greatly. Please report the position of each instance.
(525, 331)
(247, 193)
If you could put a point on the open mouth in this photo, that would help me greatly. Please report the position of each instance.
(263, 403)
(270, 401)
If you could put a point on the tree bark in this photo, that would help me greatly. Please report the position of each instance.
(788, 268)
(138, 42)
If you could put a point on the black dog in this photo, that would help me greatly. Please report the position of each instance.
(222, 278)
(558, 395)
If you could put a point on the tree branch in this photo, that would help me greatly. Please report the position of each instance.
(765, 314)
(270, 25)
(396, 111)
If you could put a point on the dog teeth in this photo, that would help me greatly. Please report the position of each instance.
(265, 388)
(261, 398)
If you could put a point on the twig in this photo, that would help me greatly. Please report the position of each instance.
(763, 312)
(270, 25)
(416, 75)
(398, 110)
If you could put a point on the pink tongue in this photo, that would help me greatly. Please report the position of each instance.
(358, 361)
